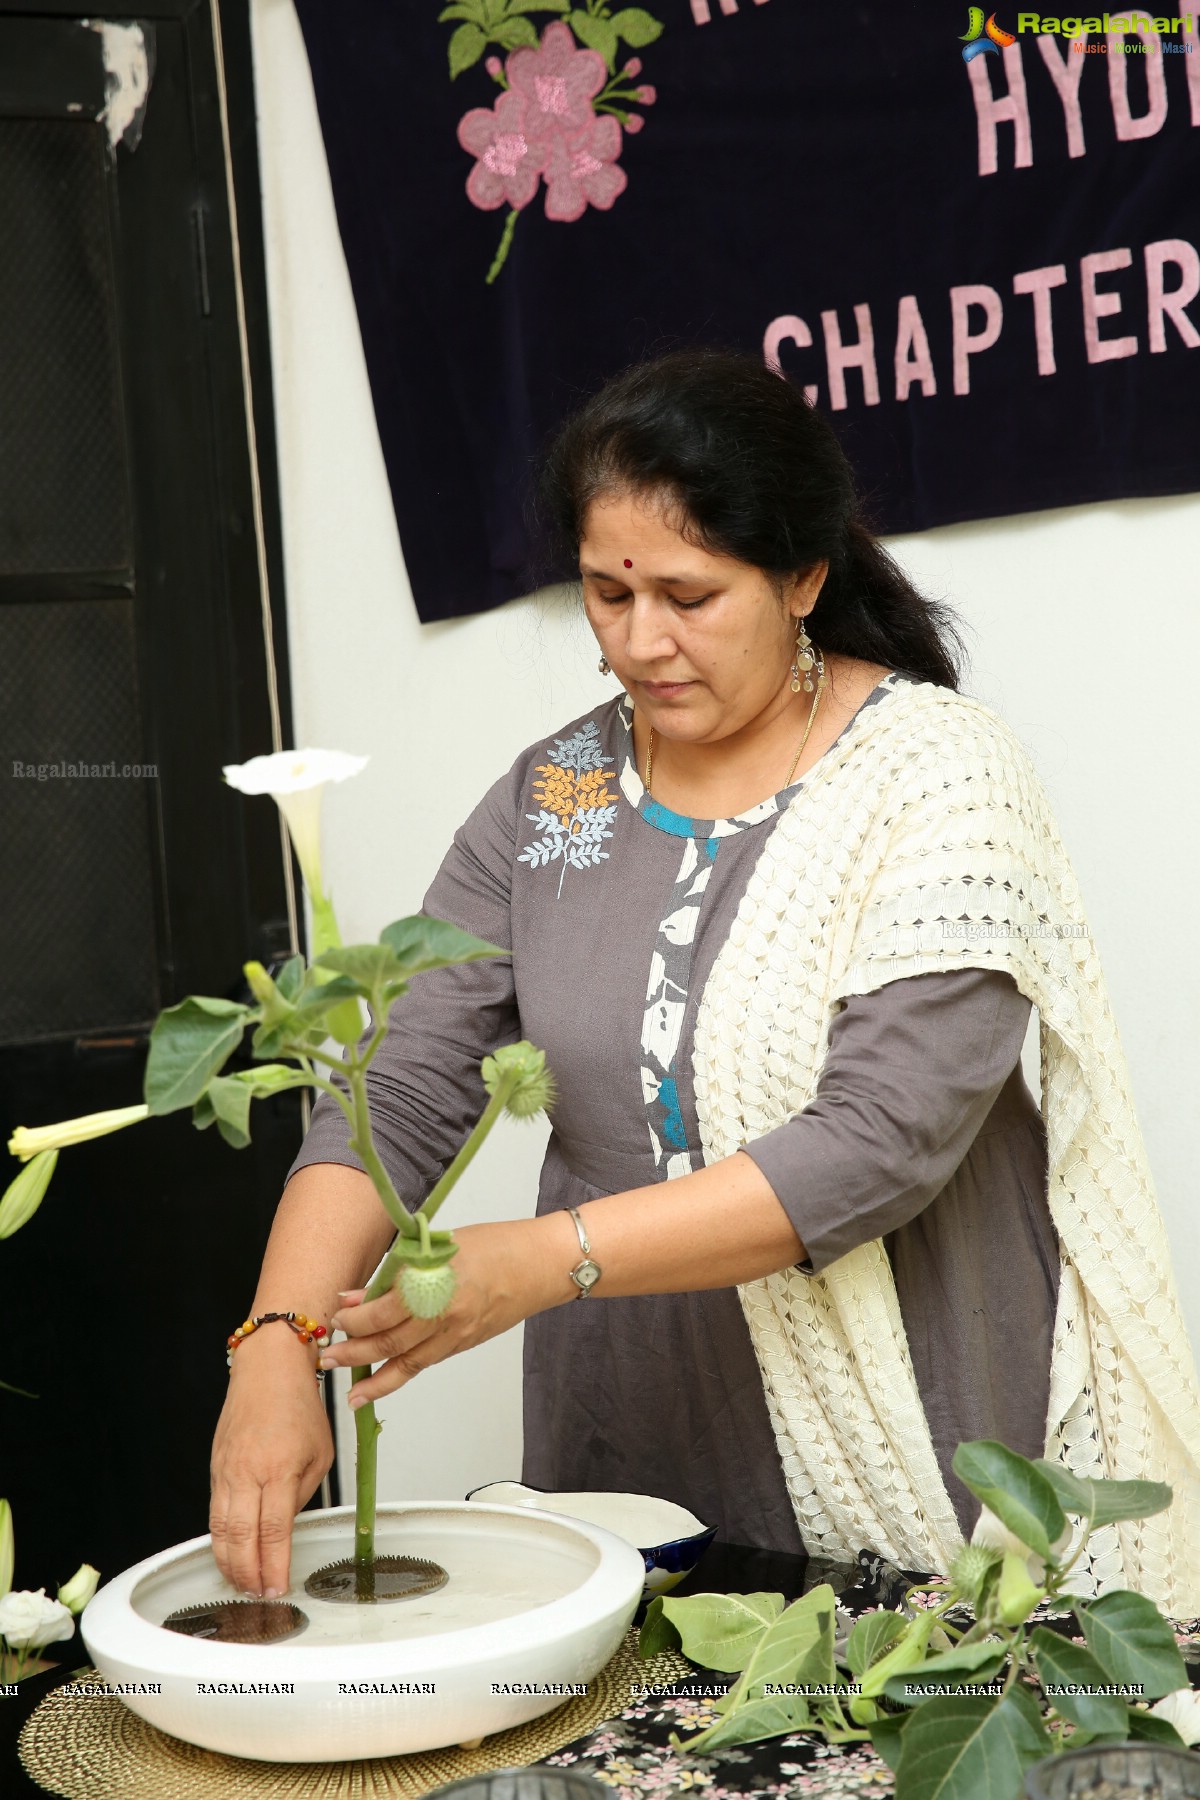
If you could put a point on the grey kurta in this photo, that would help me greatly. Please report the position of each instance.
(921, 1131)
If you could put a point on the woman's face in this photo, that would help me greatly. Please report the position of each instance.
(702, 643)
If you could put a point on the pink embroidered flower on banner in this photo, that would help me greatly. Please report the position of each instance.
(557, 82)
(508, 165)
(581, 170)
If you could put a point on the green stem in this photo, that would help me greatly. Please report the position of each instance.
(366, 1425)
(364, 1144)
(505, 241)
(310, 1079)
(337, 1063)
(1018, 1655)
(392, 1264)
(366, 1433)
(488, 1117)
(1056, 1578)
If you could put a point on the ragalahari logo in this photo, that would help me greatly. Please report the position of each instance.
(980, 39)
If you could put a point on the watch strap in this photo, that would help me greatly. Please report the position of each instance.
(587, 1271)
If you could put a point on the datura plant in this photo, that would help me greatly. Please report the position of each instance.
(955, 1690)
(292, 1015)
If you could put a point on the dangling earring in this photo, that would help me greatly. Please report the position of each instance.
(802, 662)
(605, 666)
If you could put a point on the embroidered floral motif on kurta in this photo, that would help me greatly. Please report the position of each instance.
(576, 808)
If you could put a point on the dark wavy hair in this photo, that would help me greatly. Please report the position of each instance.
(749, 470)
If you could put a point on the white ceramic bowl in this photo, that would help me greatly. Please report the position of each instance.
(534, 1604)
(669, 1539)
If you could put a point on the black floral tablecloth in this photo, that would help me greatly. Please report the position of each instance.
(633, 1755)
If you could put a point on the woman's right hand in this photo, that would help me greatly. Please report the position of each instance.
(272, 1447)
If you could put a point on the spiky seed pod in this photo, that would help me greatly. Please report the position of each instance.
(533, 1095)
(533, 1090)
(427, 1292)
(970, 1569)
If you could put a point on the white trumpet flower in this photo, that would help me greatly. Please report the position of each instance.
(294, 779)
(27, 1141)
(993, 1532)
(1182, 1710)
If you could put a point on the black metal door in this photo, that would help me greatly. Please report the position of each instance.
(136, 657)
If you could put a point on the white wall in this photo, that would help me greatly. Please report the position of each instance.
(1084, 631)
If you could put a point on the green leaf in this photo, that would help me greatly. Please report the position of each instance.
(315, 1001)
(886, 1738)
(1154, 1731)
(25, 1193)
(1129, 1636)
(422, 943)
(1061, 1663)
(534, 6)
(772, 1715)
(290, 978)
(271, 1078)
(369, 966)
(906, 1653)
(188, 1045)
(462, 9)
(24, 1392)
(636, 26)
(466, 46)
(230, 1101)
(796, 1648)
(345, 1021)
(968, 1748)
(954, 1671)
(657, 1633)
(871, 1635)
(516, 34)
(720, 1631)
(314, 1011)
(1018, 1494)
(597, 34)
(1105, 1500)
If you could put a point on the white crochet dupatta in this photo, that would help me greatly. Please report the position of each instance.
(924, 841)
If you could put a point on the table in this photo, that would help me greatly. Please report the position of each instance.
(633, 1749)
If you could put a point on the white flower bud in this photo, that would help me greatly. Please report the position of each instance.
(76, 1593)
(992, 1531)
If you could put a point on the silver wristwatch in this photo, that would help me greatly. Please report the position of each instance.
(587, 1272)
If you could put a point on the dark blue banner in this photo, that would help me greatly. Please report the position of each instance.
(971, 238)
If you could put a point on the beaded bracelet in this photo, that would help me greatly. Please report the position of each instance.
(309, 1331)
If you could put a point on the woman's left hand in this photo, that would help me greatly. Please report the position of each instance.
(504, 1274)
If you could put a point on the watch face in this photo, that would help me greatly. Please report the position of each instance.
(586, 1274)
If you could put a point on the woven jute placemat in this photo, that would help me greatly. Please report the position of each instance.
(97, 1749)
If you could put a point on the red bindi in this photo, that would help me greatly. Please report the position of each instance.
(628, 563)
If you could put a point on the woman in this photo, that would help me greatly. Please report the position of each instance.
(777, 915)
